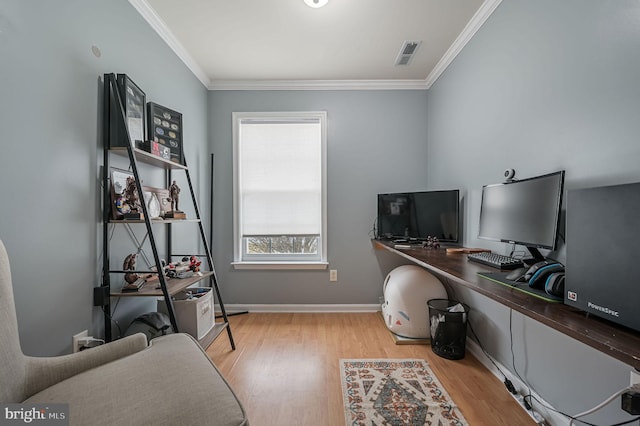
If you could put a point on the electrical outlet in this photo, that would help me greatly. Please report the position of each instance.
(333, 275)
(75, 340)
(635, 377)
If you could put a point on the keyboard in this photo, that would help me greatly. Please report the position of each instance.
(495, 260)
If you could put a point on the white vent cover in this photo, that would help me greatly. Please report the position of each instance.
(407, 51)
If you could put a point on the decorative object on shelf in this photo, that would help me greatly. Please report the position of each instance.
(187, 267)
(153, 206)
(174, 195)
(133, 101)
(194, 263)
(155, 148)
(164, 126)
(132, 279)
(125, 202)
(163, 198)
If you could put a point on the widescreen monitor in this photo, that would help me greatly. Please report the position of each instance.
(525, 212)
(419, 215)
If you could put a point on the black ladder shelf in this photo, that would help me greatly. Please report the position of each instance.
(116, 140)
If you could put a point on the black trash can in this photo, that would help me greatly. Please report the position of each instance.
(448, 325)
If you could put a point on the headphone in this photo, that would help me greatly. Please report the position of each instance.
(555, 284)
(547, 276)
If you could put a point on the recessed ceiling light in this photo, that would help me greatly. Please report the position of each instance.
(316, 3)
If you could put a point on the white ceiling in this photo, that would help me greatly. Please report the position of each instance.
(236, 44)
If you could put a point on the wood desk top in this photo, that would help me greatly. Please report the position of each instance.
(614, 340)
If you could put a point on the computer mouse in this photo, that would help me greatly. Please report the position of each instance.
(517, 274)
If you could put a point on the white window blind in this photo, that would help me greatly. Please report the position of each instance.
(279, 188)
(280, 178)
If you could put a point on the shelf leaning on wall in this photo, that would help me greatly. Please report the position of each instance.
(123, 116)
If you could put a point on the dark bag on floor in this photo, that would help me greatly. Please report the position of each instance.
(152, 324)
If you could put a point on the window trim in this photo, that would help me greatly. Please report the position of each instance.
(253, 263)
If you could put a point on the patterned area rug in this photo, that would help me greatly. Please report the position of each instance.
(394, 392)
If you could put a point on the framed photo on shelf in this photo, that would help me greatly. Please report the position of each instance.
(164, 126)
(133, 100)
(125, 201)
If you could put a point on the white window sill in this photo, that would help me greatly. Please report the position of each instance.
(280, 265)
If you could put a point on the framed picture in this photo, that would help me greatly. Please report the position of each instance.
(164, 126)
(125, 201)
(133, 100)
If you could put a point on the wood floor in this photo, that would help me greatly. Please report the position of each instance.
(285, 369)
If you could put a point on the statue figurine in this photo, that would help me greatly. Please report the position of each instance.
(131, 194)
(132, 279)
(174, 194)
(130, 265)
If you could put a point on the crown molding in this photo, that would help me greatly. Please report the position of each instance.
(165, 34)
(317, 85)
(474, 24)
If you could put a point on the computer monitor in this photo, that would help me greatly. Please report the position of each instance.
(525, 212)
(418, 215)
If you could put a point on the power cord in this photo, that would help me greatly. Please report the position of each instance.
(574, 418)
(507, 383)
(527, 400)
(601, 405)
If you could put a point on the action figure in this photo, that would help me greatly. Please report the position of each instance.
(131, 194)
(174, 194)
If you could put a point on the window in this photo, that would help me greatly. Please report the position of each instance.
(280, 189)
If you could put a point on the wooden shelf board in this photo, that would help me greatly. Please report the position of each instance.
(147, 157)
(174, 285)
(163, 221)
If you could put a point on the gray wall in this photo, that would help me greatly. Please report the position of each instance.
(50, 115)
(550, 82)
(543, 86)
(376, 143)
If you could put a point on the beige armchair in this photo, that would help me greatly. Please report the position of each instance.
(169, 382)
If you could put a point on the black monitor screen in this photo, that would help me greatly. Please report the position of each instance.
(525, 212)
(419, 215)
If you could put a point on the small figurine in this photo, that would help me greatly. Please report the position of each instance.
(174, 195)
(131, 194)
(132, 279)
(431, 243)
(194, 263)
(130, 265)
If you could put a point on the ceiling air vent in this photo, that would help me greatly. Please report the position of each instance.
(407, 51)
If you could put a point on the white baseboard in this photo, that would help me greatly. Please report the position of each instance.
(551, 417)
(274, 308)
